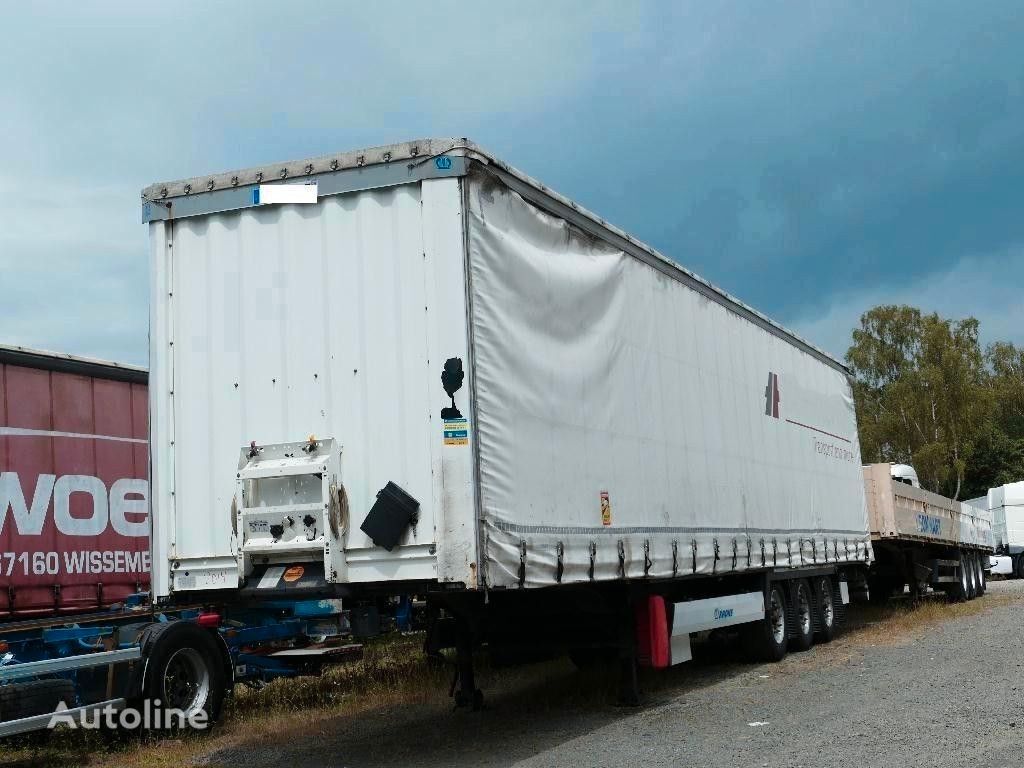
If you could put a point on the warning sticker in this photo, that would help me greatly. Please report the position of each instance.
(294, 573)
(606, 509)
(456, 432)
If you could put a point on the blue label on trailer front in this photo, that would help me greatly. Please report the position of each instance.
(255, 195)
(456, 432)
(443, 163)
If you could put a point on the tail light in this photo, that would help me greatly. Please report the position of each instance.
(208, 620)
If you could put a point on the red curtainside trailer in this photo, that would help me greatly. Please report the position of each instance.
(74, 499)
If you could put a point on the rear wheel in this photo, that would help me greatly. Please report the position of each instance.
(766, 639)
(1020, 566)
(803, 608)
(982, 578)
(825, 607)
(185, 673)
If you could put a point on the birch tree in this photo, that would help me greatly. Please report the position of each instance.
(921, 391)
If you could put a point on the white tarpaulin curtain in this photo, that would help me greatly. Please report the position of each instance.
(628, 425)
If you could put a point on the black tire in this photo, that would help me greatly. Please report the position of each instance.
(825, 609)
(979, 560)
(1019, 569)
(766, 640)
(802, 600)
(184, 671)
(40, 697)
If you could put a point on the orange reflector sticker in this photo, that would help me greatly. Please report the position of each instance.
(606, 509)
(294, 573)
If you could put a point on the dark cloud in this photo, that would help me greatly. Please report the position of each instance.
(805, 156)
(836, 155)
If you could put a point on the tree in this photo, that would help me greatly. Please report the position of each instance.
(921, 392)
(1006, 363)
(881, 359)
(997, 459)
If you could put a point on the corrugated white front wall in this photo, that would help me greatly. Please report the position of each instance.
(1007, 505)
(598, 374)
(334, 319)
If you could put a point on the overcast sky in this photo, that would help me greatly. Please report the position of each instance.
(813, 159)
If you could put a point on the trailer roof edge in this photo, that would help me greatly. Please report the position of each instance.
(74, 364)
(409, 161)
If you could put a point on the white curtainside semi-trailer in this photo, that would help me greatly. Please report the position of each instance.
(1005, 505)
(514, 408)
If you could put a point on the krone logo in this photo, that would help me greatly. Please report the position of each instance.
(771, 396)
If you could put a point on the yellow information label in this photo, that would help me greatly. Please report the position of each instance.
(456, 432)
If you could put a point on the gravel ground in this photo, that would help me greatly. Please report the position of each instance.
(948, 695)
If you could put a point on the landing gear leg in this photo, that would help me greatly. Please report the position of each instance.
(629, 685)
(467, 694)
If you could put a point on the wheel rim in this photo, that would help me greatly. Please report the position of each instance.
(803, 610)
(828, 610)
(778, 618)
(186, 681)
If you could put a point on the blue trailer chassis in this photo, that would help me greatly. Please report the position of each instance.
(99, 654)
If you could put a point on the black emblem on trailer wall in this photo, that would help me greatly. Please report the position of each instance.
(451, 380)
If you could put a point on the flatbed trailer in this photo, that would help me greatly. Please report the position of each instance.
(923, 540)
